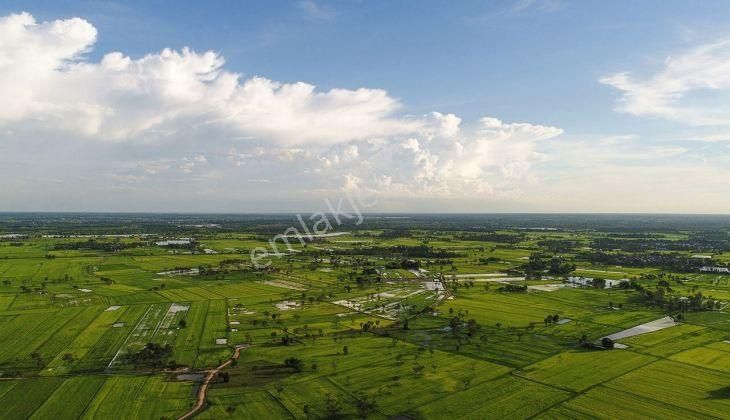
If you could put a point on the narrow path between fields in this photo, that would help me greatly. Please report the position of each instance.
(203, 390)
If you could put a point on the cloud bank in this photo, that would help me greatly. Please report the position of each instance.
(150, 127)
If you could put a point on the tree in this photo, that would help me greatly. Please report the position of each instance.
(294, 363)
(472, 327)
(38, 359)
(454, 324)
(365, 406)
(68, 358)
(599, 283)
(182, 323)
(151, 354)
(584, 341)
(607, 343)
(332, 405)
(345, 350)
(418, 369)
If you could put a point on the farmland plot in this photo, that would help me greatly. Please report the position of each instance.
(216, 326)
(505, 397)
(157, 324)
(70, 398)
(84, 341)
(578, 370)
(25, 398)
(18, 348)
(703, 391)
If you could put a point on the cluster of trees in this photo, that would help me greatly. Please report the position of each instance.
(696, 302)
(489, 260)
(457, 325)
(94, 245)
(559, 245)
(294, 363)
(404, 251)
(507, 238)
(152, 354)
(539, 264)
(107, 281)
(598, 283)
(668, 261)
(395, 233)
(551, 319)
(514, 288)
(606, 343)
(664, 296)
(641, 245)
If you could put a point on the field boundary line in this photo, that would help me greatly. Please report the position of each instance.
(519, 375)
(72, 338)
(280, 403)
(199, 339)
(47, 397)
(127, 339)
(86, 407)
(157, 328)
(346, 391)
(644, 397)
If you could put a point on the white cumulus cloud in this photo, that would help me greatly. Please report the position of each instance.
(151, 126)
(42, 68)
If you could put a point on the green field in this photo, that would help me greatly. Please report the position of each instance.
(347, 327)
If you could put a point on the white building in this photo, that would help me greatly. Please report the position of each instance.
(708, 269)
(182, 241)
(588, 281)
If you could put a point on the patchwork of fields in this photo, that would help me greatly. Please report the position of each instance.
(347, 327)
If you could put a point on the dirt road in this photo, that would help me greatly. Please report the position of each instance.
(203, 390)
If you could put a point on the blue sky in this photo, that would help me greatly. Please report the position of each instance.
(542, 61)
(645, 143)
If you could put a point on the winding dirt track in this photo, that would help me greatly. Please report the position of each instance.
(203, 390)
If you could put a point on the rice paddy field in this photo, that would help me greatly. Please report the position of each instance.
(425, 319)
